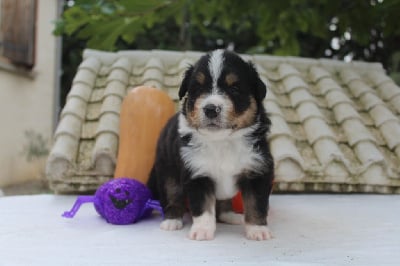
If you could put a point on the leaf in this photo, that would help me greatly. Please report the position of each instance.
(107, 35)
(59, 27)
(131, 30)
(141, 6)
(74, 19)
(288, 46)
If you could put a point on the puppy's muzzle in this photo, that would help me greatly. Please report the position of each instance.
(211, 111)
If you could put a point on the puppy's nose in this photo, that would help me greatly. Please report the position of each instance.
(211, 110)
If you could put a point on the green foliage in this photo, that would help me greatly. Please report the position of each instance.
(277, 27)
(102, 22)
(363, 29)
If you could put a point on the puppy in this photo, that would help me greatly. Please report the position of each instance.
(214, 147)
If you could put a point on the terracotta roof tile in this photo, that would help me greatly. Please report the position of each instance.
(335, 125)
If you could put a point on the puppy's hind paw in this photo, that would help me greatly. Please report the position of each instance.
(257, 232)
(171, 224)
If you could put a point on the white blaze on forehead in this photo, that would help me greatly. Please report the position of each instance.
(215, 66)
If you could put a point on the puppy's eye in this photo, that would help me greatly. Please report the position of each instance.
(235, 88)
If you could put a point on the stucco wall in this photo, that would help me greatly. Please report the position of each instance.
(27, 107)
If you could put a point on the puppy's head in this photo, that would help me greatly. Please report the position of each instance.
(221, 91)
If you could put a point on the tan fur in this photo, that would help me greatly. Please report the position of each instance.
(201, 78)
(246, 118)
(230, 79)
(193, 117)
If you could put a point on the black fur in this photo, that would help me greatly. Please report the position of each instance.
(172, 181)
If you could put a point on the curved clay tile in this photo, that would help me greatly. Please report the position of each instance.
(75, 106)
(80, 90)
(322, 140)
(69, 125)
(116, 88)
(153, 73)
(343, 110)
(318, 73)
(335, 97)
(378, 78)
(289, 164)
(60, 164)
(170, 57)
(111, 104)
(85, 76)
(284, 70)
(91, 63)
(387, 123)
(300, 95)
(62, 158)
(309, 109)
(123, 63)
(358, 136)
(106, 144)
(390, 93)
(388, 90)
(292, 83)
(105, 58)
(118, 75)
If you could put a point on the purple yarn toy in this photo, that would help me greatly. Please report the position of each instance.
(120, 201)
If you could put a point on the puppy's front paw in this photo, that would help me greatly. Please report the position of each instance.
(257, 232)
(171, 224)
(203, 227)
(202, 232)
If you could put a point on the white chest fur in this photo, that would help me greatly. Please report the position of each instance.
(221, 156)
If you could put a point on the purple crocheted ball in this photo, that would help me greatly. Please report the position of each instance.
(122, 200)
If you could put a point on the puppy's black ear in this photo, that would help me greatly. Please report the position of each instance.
(260, 89)
(185, 82)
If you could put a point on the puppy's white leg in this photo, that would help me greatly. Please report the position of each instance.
(231, 217)
(171, 224)
(203, 227)
(257, 232)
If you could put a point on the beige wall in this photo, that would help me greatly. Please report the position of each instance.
(27, 104)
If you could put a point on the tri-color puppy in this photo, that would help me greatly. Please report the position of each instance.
(214, 147)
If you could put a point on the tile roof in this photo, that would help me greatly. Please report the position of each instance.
(335, 125)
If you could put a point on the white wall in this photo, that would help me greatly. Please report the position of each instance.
(28, 104)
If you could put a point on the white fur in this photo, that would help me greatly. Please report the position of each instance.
(203, 227)
(219, 154)
(222, 102)
(257, 232)
(171, 224)
(215, 66)
(231, 218)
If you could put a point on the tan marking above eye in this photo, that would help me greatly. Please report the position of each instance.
(231, 78)
(201, 78)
